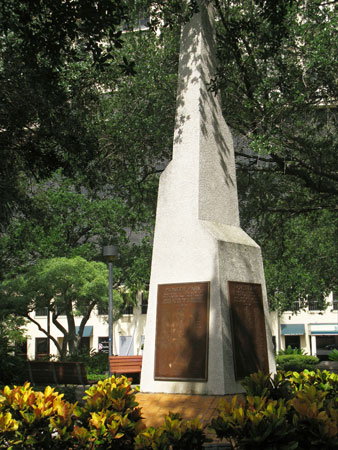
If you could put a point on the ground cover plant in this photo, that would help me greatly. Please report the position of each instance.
(287, 411)
(109, 418)
(333, 356)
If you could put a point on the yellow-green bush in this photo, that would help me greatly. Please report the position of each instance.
(31, 420)
(174, 434)
(285, 412)
(108, 419)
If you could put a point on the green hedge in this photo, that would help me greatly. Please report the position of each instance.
(109, 419)
(290, 411)
(297, 363)
(286, 412)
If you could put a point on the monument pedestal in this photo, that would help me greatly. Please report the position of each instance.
(207, 313)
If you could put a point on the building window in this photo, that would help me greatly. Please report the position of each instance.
(41, 348)
(292, 341)
(144, 303)
(313, 305)
(41, 312)
(316, 303)
(335, 302)
(128, 309)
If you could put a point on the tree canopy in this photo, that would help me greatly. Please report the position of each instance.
(66, 286)
(86, 128)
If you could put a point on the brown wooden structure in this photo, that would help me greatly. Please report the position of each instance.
(51, 372)
(123, 365)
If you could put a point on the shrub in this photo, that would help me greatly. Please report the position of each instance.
(297, 363)
(305, 419)
(315, 419)
(333, 356)
(175, 434)
(292, 351)
(109, 418)
(323, 380)
(30, 420)
(95, 362)
(261, 385)
(255, 423)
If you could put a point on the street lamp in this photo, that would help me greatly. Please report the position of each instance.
(110, 253)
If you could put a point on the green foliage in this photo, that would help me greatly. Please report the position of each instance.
(333, 356)
(96, 363)
(44, 115)
(174, 434)
(323, 380)
(315, 420)
(284, 384)
(291, 351)
(271, 64)
(296, 362)
(72, 286)
(306, 416)
(66, 221)
(300, 263)
(28, 418)
(255, 422)
(11, 331)
(109, 418)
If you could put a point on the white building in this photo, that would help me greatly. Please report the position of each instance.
(311, 329)
(128, 332)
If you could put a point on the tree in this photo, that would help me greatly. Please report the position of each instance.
(66, 222)
(277, 62)
(70, 286)
(44, 120)
(114, 201)
(271, 66)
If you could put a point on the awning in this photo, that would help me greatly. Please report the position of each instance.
(295, 329)
(87, 332)
(324, 328)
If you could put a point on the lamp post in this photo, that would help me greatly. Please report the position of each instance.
(110, 253)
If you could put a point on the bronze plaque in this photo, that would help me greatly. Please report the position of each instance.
(248, 329)
(182, 328)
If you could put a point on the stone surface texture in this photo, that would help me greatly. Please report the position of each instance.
(197, 233)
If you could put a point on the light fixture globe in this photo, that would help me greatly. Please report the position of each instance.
(110, 252)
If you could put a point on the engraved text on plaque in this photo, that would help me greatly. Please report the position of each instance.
(181, 347)
(248, 328)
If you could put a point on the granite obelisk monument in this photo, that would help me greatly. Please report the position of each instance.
(207, 324)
